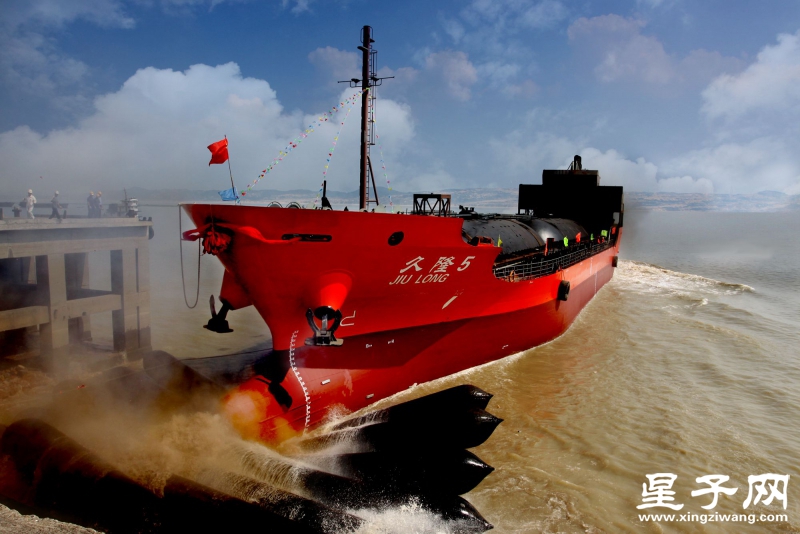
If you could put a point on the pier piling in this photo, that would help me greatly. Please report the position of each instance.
(45, 284)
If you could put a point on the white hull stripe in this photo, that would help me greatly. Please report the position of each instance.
(300, 379)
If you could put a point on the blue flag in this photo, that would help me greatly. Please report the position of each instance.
(228, 194)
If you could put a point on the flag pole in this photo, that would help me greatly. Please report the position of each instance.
(233, 187)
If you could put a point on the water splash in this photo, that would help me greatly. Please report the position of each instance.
(409, 518)
(264, 464)
(650, 278)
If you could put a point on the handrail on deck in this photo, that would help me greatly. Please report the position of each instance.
(536, 266)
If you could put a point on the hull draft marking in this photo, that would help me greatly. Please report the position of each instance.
(300, 379)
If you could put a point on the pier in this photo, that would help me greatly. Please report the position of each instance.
(45, 286)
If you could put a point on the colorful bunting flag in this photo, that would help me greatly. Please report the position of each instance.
(299, 139)
(228, 194)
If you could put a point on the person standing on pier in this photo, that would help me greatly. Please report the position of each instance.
(30, 202)
(90, 203)
(98, 202)
(56, 207)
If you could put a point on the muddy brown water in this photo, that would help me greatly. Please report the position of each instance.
(685, 364)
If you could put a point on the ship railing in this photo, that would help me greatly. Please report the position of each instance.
(540, 265)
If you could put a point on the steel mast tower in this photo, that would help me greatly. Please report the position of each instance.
(368, 80)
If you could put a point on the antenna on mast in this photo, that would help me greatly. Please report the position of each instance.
(368, 79)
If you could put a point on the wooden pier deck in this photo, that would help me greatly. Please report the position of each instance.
(45, 283)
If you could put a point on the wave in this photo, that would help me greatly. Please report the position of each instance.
(656, 277)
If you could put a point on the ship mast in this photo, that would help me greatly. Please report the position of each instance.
(366, 123)
(368, 80)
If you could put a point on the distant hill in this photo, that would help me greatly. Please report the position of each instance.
(486, 200)
(765, 201)
(497, 200)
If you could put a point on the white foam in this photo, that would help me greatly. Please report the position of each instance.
(651, 278)
(410, 518)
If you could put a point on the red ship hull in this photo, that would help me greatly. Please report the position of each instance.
(413, 311)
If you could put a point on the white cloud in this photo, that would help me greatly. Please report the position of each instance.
(496, 35)
(492, 28)
(515, 15)
(524, 89)
(153, 132)
(454, 29)
(702, 65)
(772, 82)
(339, 64)
(498, 73)
(615, 169)
(543, 14)
(503, 77)
(32, 67)
(793, 189)
(520, 158)
(54, 13)
(652, 4)
(620, 52)
(298, 6)
(753, 118)
(455, 68)
(404, 77)
(765, 163)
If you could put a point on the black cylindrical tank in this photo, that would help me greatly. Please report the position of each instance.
(512, 235)
(517, 236)
(568, 228)
(545, 230)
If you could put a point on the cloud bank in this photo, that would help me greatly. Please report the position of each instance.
(620, 52)
(153, 133)
(771, 83)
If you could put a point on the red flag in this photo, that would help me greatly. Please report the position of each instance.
(219, 151)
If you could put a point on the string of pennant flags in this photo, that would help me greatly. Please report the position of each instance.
(386, 176)
(319, 194)
(294, 143)
(331, 151)
(383, 163)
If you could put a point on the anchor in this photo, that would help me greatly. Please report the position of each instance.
(322, 334)
(218, 322)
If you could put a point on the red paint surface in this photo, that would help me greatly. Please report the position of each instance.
(406, 320)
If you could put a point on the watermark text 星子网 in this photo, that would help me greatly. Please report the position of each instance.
(762, 489)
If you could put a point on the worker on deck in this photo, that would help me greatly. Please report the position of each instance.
(30, 202)
(56, 207)
(90, 203)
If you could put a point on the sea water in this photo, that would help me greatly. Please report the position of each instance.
(685, 364)
(684, 367)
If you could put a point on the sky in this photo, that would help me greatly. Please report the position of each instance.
(658, 95)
